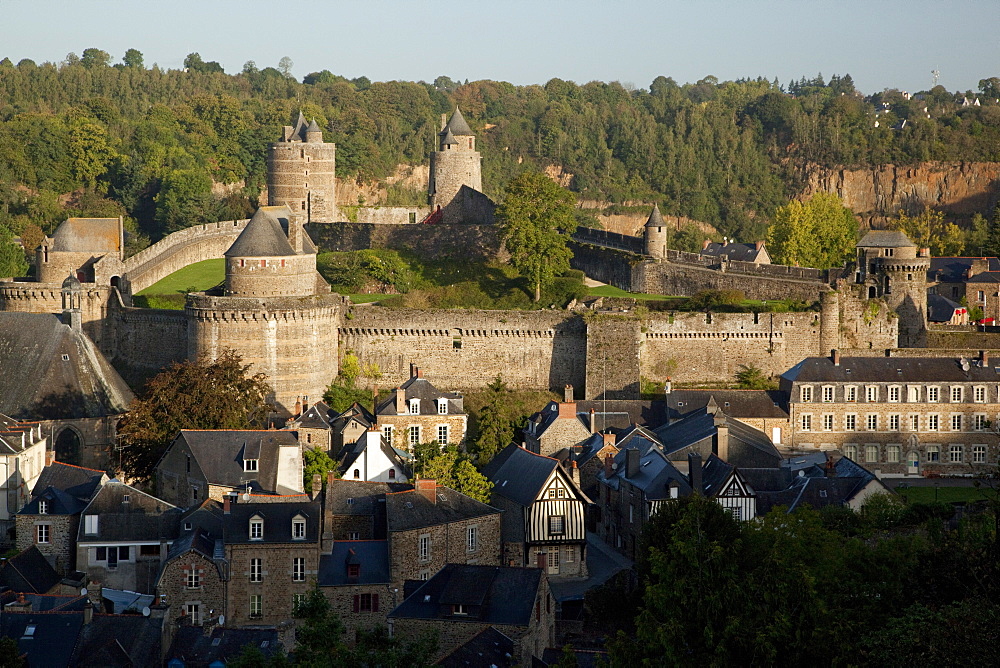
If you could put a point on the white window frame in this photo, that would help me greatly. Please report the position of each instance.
(414, 407)
(298, 529)
(193, 579)
(978, 453)
(250, 465)
(893, 452)
(414, 435)
(871, 422)
(957, 394)
(893, 394)
(91, 525)
(851, 451)
(43, 507)
(193, 613)
(442, 429)
(256, 528)
(850, 393)
(894, 422)
(933, 394)
(956, 453)
(256, 606)
(43, 534)
(979, 421)
(851, 422)
(805, 422)
(806, 394)
(298, 569)
(442, 406)
(869, 449)
(914, 422)
(387, 433)
(472, 538)
(871, 393)
(979, 394)
(955, 422)
(913, 394)
(933, 422)
(256, 569)
(829, 394)
(933, 453)
(424, 547)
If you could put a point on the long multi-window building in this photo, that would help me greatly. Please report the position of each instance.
(919, 415)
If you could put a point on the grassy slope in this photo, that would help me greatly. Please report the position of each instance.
(200, 276)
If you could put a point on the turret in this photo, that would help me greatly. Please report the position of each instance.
(456, 171)
(72, 302)
(262, 262)
(300, 173)
(655, 234)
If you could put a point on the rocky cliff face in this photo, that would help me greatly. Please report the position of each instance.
(960, 189)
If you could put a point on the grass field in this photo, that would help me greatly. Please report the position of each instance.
(946, 494)
(198, 276)
(612, 291)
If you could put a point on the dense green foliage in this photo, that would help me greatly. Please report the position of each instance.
(205, 394)
(451, 468)
(889, 585)
(148, 143)
(316, 461)
(820, 232)
(12, 262)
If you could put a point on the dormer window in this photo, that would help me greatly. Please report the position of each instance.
(353, 570)
(414, 406)
(460, 609)
(43, 507)
(299, 528)
(250, 465)
(442, 406)
(90, 525)
(256, 528)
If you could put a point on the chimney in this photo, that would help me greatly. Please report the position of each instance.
(95, 592)
(413, 369)
(444, 121)
(609, 466)
(298, 406)
(305, 403)
(568, 394)
(226, 501)
(593, 421)
(330, 477)
(831, 470)
(835, 356)
(574, 472)
(705, 244)
(609, 438)
(427, 489)
(568, 409)
(88, 613)
(400, 401)
(984, 358)
(668, 386)
(924, 252)
(420, 372)
(758, 245)
(721, 437)
(694, 472)
(375, 400)
(50, 457)
(631, 462)
(317, 485)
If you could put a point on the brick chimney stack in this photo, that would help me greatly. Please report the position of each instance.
(705, 244)
(298, 406)
(419, 372)
(400, 401)
(609, 438)
(984, 358)
(226, 501)
(835, 356)
(427, 489)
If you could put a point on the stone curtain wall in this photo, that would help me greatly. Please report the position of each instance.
(613, 354)
(427, 241)
(146, 341)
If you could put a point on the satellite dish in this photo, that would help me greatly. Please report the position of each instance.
(246, 496)
(222, 620)
(145, 611)
(83, 592)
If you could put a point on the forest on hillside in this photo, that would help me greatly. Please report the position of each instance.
(171, 148)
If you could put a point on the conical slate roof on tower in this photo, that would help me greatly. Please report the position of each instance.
(449, 138)
(457, 125)
(262, 237)
(313, 127)
(655, 219)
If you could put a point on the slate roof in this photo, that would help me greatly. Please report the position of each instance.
(51, 371)
(489, 647)
(411, 510)
(732, 251)
(372, 555)
(262, 237)
(60, 503)
(735, 403)
(120, 641)
(317, 416)
(352, 451)
(457, 125)
(76, 481)
(299, 131)
(422, 389)
(986, 277)
(506, 594)
(449, 138)
(889, 370)
(519, 475)
(714, 473)
(143, 518)
(195, 648)
(220, 454)
(359, 497)
(196, 540)
(277, 520)
(953, 269)
(700, 425)
(655, 219)
(654, 475)
(539, 423)
(886, 239)
(356, 412)
(88, 235)
(941, 309)
(622, 413)
(817, 489)
(313, 127)
(29, 571)
(53, 639)
(767, 479)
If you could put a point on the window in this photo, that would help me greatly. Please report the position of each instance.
(298, 528)
(442, 406)
(827, 394)
(42, 532)
(43, 507)
(424, 547)
(557, 523)
(414, 406)
(90, 524)
(979, 454)
(256, 529)
(914, 423)
(894, 394)
(956, 394)
(353, 570)
(570, 555)
(979, 422)
(980, 295)
(892, 454)
(256, 572)
(297, 600)
(806, 422)
(256, 606)
(806, 394)
(250, 465)
(851, 452)
(913, 393)
(263, 263)
(871, 453)
(893, 423)
(979, 394)
(443, 434)
(364, 603)
(850, 393)
(933, 453)
(956, 423)
(871, 393)
(850, 422)
(387, 433)
(392, 474)
(193, 578)
(101, 554)
(871, 422)
(298, 569)
(472, 539)
(354, 535)
(193, 611)
(933, 394)
(933, 422)
(414, 436)
(828, 422)
(149, 550)
(357, 474)
(955, 453)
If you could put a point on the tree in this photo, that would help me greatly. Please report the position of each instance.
(820, 232)
(89, 150)
(929, 229)
(95, 58)
(316, 461)
(285, 67)
(451, 470)
(11, 655)
(12, 263)
(535, 220)
(750, 377)
(319, 640)
(496, 429)
(207, 394)
(185, 199)
(133, 58)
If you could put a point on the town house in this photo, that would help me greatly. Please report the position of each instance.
(417, 412)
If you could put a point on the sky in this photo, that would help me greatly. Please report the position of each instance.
(880, 43)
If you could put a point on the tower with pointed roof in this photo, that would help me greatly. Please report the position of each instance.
(300, 173)
(264, 262)
(655, 234)
(456, 179)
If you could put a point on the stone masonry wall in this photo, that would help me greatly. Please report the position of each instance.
(210, 594)
(448, 546)
(146, 341)
(342, 601)
(429, 241)
(276, 587)
(59, 551)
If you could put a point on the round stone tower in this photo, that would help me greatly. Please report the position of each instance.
(454, 166)
(655, 234)
(300, 173)
(263, 263)
(891, 267)
(829, 323)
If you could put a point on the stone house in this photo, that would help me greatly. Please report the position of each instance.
(350, 425)
(193, 578)
(60, 494)
(373, 458)
(23, 449)
(417, 412)
(319, 427)
(355, 578)
(557, 426)
(462, 600)
(948, 276)
(913, 415)
(431, 526)
(840, 483)
(731, 251)
(272, 545)
(355, 510)
(124, 536)
(766, 410)
(943, 311)
(711, 431)
(203, 464)
(588, 459)
(983, 290)
(544, 512)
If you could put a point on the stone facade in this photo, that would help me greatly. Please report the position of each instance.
(355, 617)
(277, 589)
(448, 545)
(300, 174)
(60, 549)
(209, 594)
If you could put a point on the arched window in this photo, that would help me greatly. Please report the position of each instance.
(872, 292)
(357, 474)
(392, 474)
(68, 445)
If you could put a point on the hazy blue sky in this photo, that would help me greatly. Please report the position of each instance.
(881, 43)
